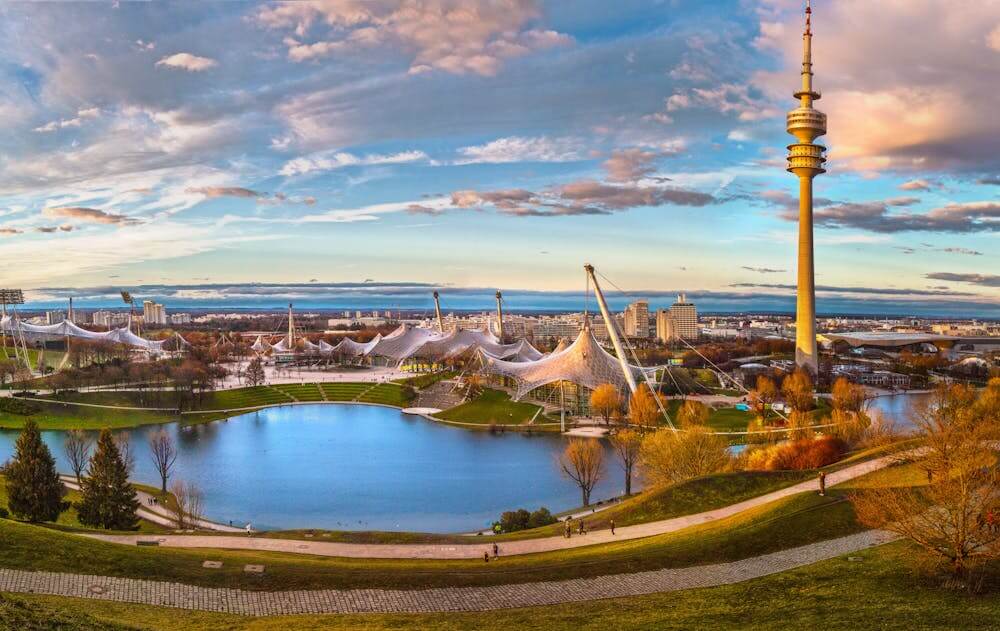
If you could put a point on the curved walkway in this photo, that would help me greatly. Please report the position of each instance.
(448, 599)
(507, 548)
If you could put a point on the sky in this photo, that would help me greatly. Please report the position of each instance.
(238, 152)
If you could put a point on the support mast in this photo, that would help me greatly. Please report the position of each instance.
(437, 310)
(612, 329)
(500, 316)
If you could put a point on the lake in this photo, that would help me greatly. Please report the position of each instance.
(357, 467)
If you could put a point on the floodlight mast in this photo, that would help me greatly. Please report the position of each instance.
(437, 310)
(612, 329)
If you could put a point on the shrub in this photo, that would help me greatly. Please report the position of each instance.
(521, 519)
(3, 513)
(797, 455)
(12, 405)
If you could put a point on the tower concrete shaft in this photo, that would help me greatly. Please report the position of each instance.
(437, 312)
(805, 160)
(500, 316)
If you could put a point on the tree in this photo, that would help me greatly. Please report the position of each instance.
(848, 396)
(627, 443)
(187, 506)
(34, 491)
(583, 462)
(8, 369)
(123, 441)
(255, 372)
(604, 400)
(849, 414)
(642, 408)
(953, 516)
(671, 457)
(763, 395)
(164, 454)
(692, 413)
(77, 448)
(109, 500)
(797, 389)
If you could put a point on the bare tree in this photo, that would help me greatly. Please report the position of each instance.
(605, 400)
(955, 516)
(180, 506)
(164, 454)
(627, 444)
(583, 462)
(188, 504)
(77, 448)
(123, 441)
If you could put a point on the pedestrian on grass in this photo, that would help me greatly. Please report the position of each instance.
(486, 556)
(822, 483)
(612, 526)
(569, 528)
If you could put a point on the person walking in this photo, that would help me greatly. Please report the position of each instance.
(496, 550)
(822, 483)
(612, 526)
(569, 528)
(486, 556)
(583, 530)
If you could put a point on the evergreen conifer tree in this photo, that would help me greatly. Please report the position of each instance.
(109, 500)
(33, 487)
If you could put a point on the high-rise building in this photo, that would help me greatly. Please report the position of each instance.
(153, 313)
(805, 160)
(54, 317)
(637, 319)
(680, 321)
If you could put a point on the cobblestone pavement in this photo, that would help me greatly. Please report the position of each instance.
(249, 603)
(475, 549)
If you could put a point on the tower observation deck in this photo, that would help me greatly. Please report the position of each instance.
(806, 160)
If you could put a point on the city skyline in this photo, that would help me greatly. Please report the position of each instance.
(141, 151)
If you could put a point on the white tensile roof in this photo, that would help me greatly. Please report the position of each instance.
(349, 348)
(66, 328)
(583, 362)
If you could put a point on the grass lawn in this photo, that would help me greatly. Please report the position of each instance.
(879, 591)
(52, 358)
(300, 392)
(789, 522)
(493, 406)
(63, 416)
(346, 391)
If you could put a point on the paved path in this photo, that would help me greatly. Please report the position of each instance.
(446, 599)
(156, 513)
(507, 548)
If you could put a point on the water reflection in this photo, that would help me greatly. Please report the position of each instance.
(359, 467)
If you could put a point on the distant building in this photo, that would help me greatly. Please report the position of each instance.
(54, 317)
(153, 313)
(637, 319)
(680, 321)
(180, 318)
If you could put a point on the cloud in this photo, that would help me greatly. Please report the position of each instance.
(629, 165)
(10, 231)
(878, 216)
(522, 149)
(77, 121)
(983, 280)
(915, 185)
(445, 35)
(962, 251)
(583, 197)
(916, 106)
(743, 101)
(91, 215)
(225, 191)
(764, 270)
(993, 180)
(328, 161)
(187, 61)
(885, 291)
